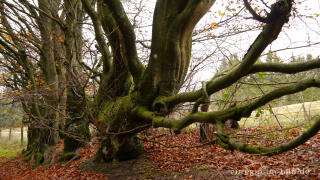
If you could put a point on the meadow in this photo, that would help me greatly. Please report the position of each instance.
(11, 147)
(288, 116)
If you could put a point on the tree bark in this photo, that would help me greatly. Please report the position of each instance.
(10, 131)
(121, 141)
(205, 133)
(76, 126)
(37, 145)
(44, 114)
(48, 66)
(21, 135)
(168, 65)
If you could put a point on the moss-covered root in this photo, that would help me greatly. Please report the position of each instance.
(130, 149)
(69, 156)
(34, 156)
(107, 149)
(110, 149)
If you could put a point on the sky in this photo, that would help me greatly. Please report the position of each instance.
(303, 29)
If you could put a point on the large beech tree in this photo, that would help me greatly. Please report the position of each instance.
(132, 96)
(156, 86)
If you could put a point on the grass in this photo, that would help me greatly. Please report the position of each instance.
(288, 116)
(303, 114)
(10, 149)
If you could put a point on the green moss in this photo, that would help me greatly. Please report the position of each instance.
(38, 159)
(10, 150)
(122, 106)
(108, 149)
(26, 152)
(67, 156)
(104, 115)
(84, 130)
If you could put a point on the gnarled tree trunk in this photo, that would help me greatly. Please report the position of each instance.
(164, 75)
(76, 127)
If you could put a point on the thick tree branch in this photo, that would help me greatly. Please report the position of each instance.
(290, 89)
(181, 31)
(253, 12)
(286, 68)
(235, 113)
(269, 33)
(173, 23)
(190, 16)
(103, 47)
(175, 124)
(129, 51)
(232, 143)
(278, 10)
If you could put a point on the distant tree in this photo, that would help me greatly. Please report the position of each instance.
(10, 115)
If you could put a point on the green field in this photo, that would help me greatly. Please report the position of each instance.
(11, 148)
(291, 115)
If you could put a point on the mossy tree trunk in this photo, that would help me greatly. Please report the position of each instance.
(39, 141)
(76, 128)
(34, 150)
(155, 88)
(119, 130)
(168, 65)
(62, 108)
(45, 119)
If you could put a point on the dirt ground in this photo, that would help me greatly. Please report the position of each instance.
(141, 168)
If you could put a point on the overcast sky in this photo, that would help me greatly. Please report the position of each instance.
(303, 29)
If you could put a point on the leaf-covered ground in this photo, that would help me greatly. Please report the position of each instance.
(204, 162)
